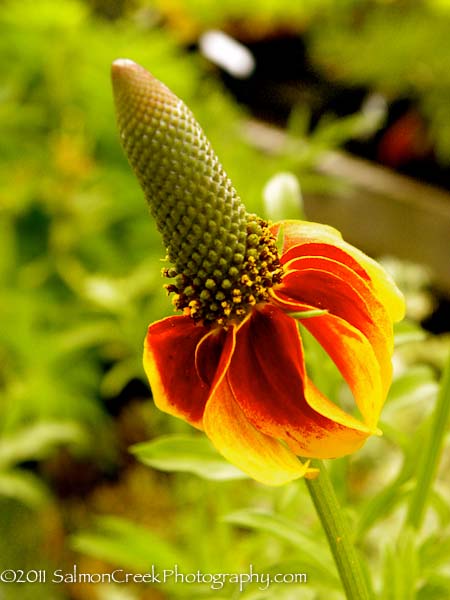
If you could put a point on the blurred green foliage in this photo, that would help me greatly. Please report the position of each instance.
(80, 266)
(400, 49)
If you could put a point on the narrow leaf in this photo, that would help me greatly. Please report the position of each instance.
(24, 487)
(39, 440)
(189, 454)
(307, 314)
(287, 530)
(431, 452)
(126, 544)
(401, 568)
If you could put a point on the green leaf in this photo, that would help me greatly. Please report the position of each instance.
(38, 441)
(435, 588)
(23, 486)
(280, 239)
(119, 375)
(85, 335)
(126, 544)
(383, 503)
(312, 553)
(441, 506)
(434, 553)
(389, 497)
(417, 383)
(406, 332)
(189, 454)
(401, 568)
(307, 314)
(432, 448)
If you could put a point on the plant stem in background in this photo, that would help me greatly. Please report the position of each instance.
(432, 452)
(338, 534)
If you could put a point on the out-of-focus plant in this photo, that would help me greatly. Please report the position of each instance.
(256, 18)
(344, 41)
(79, 278)
(80, 265)
(397, 48)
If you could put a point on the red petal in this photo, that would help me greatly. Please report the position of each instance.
(316, 249)
(268, 380)
(327, 242)
(169, 362)
(354, 356)
(263, 458)
(356, 360)
(327, 284)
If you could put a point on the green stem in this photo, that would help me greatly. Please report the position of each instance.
(431, 453)
(337, 532)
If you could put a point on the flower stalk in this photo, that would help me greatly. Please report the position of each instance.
(338, 534)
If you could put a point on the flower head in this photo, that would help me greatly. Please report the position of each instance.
(233, 364)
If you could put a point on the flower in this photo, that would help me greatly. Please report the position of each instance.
(233, 364)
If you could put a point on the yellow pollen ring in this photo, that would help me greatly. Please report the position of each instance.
(216, 298)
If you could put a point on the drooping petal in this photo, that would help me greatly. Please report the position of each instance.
(354, 356)
(268, 380)
(319, 249)
(295, 234)
(260, 456)
(169, 362)
(328, 284)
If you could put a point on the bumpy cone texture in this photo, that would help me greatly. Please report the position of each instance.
(197, 210)
(224, 259)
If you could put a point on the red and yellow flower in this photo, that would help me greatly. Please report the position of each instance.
(233, 363)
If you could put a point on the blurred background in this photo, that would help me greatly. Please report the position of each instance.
(353, 99)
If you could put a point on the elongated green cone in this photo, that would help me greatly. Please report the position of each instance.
(209, 237)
